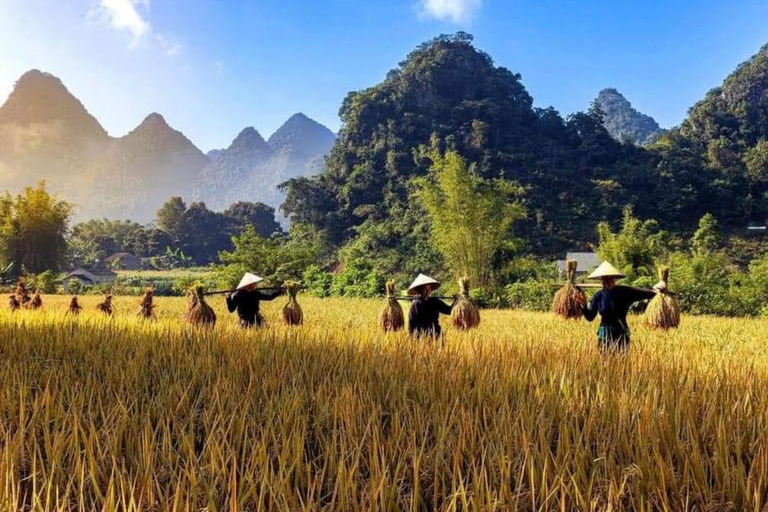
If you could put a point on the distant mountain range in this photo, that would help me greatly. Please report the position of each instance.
(624, 122)
(47, 134)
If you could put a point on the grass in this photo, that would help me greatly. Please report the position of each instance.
(523, 413)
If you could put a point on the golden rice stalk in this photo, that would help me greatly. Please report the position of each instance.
(569, 301)
(146, 307)
(662, 312)
(36, 302)
(292, 314)
(22, 295)
(391, 318)
(199, 312)
(74, 307)
(13, 303)
(465, 315)
(106, 306)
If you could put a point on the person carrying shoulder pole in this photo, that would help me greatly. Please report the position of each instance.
(247, 298)
(424, 315)
(612, 303)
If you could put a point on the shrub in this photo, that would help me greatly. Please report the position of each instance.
(531, 295)
(317, 282)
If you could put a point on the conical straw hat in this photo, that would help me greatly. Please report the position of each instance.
(249, 279)
(606, 270)
(420, 281)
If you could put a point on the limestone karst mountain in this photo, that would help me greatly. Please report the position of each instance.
(624, 122)
(251, 169)
(47, 134)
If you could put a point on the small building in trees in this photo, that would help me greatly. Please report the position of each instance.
(88, 277)
(124, 261)
(587, 261)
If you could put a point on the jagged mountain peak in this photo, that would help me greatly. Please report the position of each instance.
(39, 97)
(249, 138)
(623, 121)
(300, 133)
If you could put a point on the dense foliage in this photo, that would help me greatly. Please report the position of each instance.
(33, 228)
(574, 173)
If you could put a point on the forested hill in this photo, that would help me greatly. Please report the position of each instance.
(576, 174)
(624, 122)
(717, 160)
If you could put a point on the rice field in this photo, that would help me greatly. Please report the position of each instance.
(521, 414)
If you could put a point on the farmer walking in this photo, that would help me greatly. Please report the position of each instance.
(612, 303)
(247, 298)
(424, 316)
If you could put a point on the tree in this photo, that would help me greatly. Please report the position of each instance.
(170, 217)
(33, 229)
(278, 257)
(258, 215)
(471, 217)
(204, 233)
(707, 237)
(635, 248)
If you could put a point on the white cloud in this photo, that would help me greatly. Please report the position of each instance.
(131, 16)
(124, 15)
(170, 45)
(457, 11)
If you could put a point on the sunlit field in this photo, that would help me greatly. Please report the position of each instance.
(524, 413)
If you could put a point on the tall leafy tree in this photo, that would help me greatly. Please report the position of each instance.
(33, 229)
(471, 217)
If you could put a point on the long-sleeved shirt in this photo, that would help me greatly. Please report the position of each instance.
(423, 317)
(613, 305)
(247, 305)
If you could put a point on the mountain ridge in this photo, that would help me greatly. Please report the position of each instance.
(46, 133)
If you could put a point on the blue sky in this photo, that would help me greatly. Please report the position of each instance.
(212, 67)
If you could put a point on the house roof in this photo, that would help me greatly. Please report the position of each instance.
(586, 261)
(84, 272)
(120, 255)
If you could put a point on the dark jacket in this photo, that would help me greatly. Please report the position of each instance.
(423, 318)
(247, 305)
(613, 306)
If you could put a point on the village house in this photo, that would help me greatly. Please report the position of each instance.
(124, 261)
(587, 261)
(88, 277)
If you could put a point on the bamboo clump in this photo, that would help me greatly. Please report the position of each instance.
(36, 302)
(569, 301)
(106, 306)
(74, 307)
(146, 306)
(292, 313)
(199, 312)
(13, 303)
(391, 318)
(663, 311)
(465, 315)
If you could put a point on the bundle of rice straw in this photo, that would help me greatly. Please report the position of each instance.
(146, 307)
(36, 302)
(13, 303)
(199, 312)
(74, 307)
(22, 295)
(465, 315)
(662, 312)
(391, 318)
(106, 306)
(569, 301)
(292, 314)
